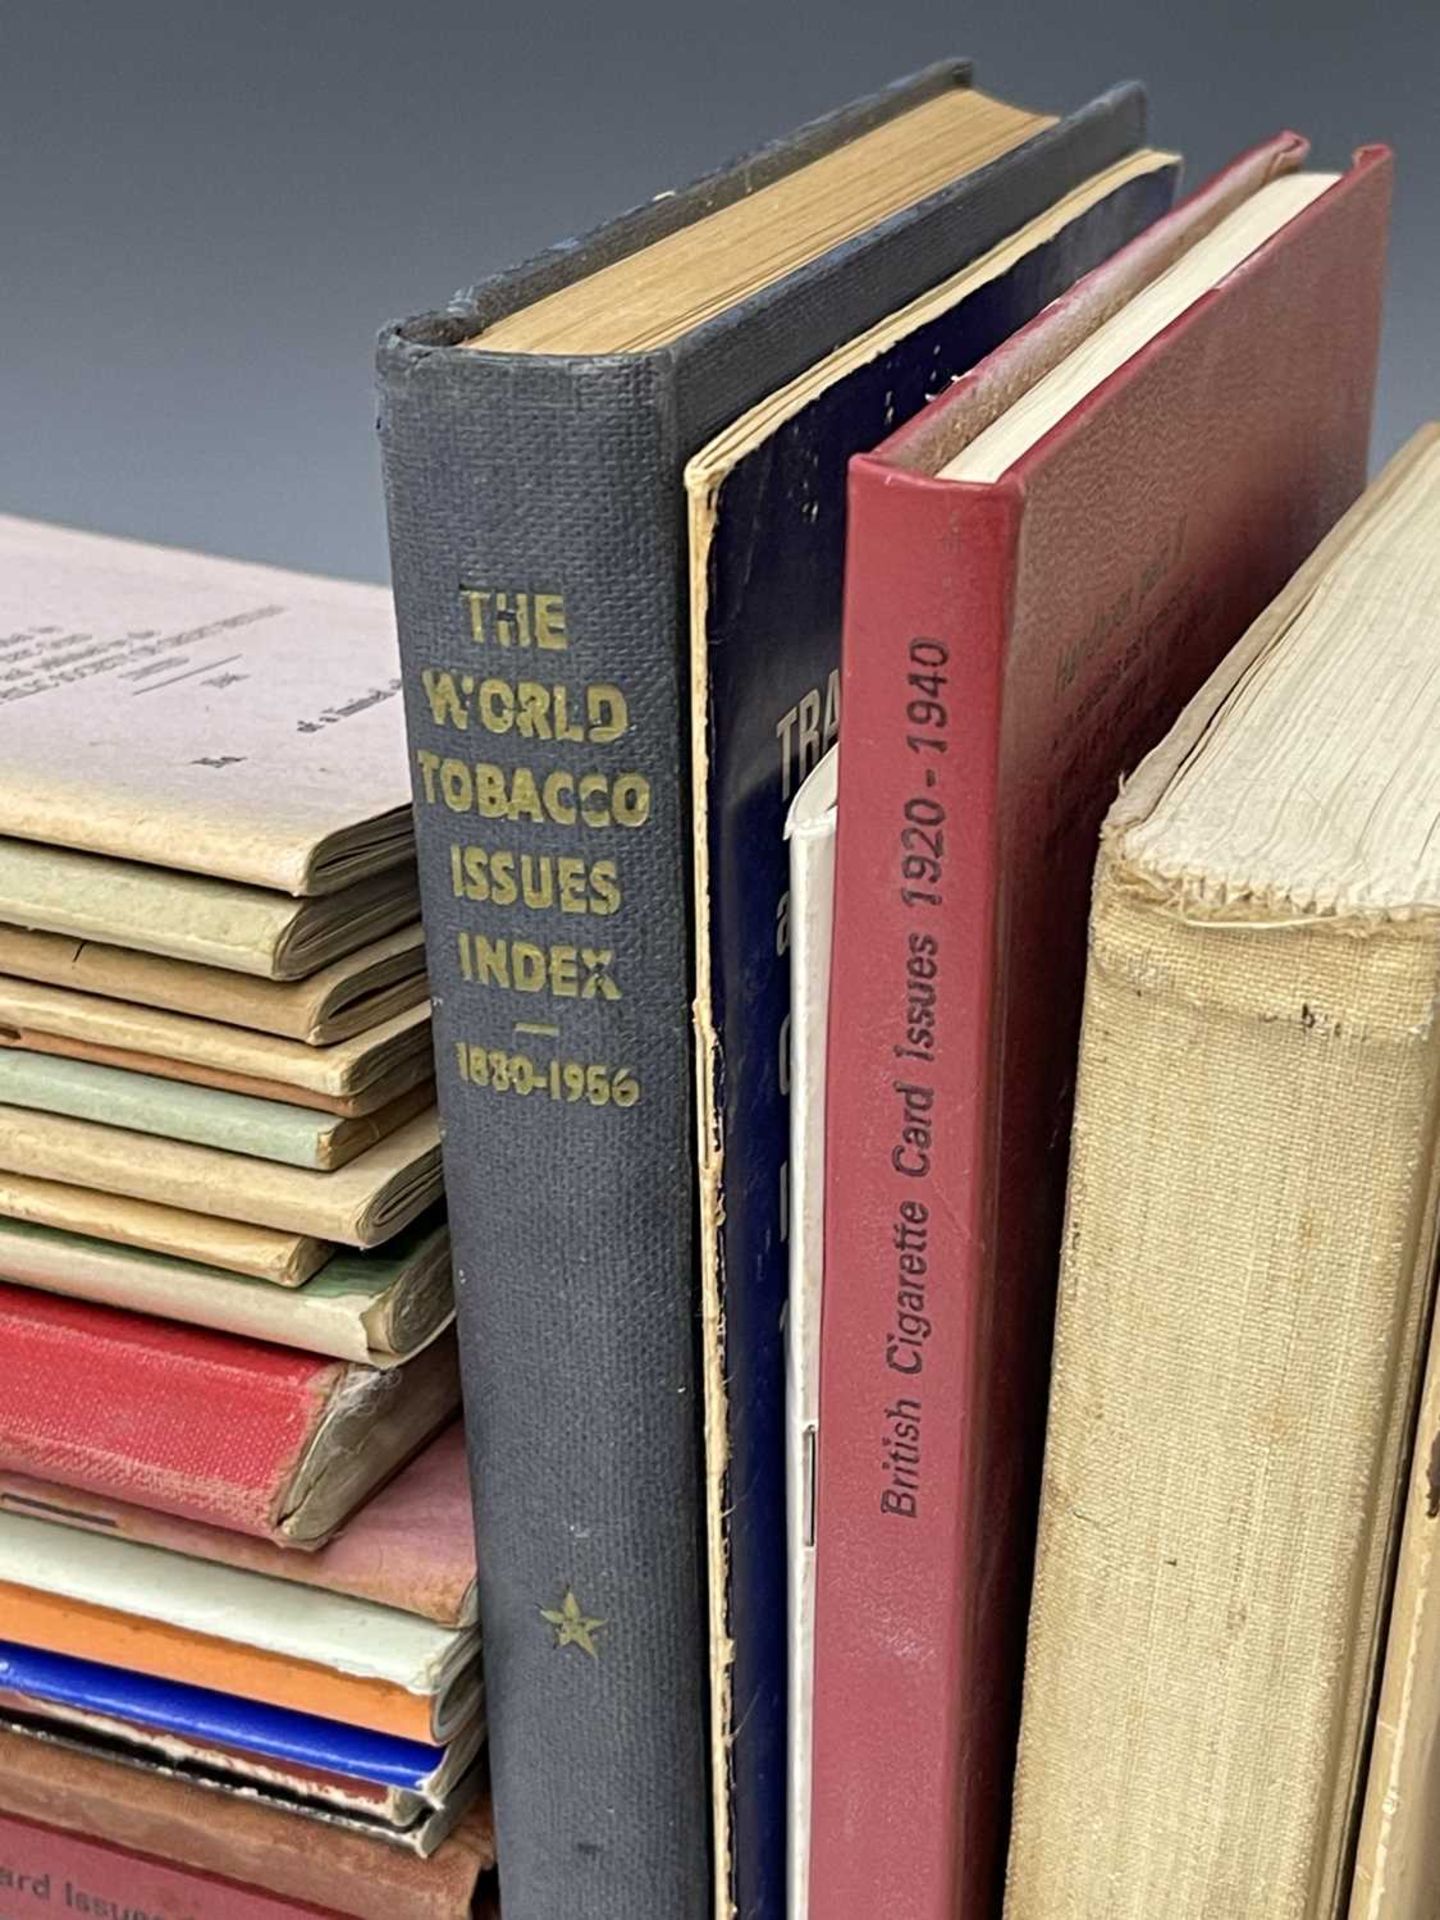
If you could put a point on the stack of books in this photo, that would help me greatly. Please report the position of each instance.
(788, 578)
(939, 432)
(616, 482)
(225, 1275)
(1232, 1673)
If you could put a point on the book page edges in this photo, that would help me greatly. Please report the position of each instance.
(506, 292)
(359, 1204)
(33, 1014)
(414, 1822)
(412, 1313)
(374, 1094)
(261, 1253)
(1152, 779)
(713, 462)
(238, 1838)
(334, 1003)
(373, 1421)
(377, 1329)
(702, 502)
(948, 425)
(295, 857)
(196, 918)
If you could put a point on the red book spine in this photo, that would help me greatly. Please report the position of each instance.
(999, 678)
(194, 1423)
(906, 1227)
(44, 1871)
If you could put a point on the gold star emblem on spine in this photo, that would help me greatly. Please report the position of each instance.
(572, 1627)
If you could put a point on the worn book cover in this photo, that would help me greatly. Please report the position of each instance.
(373, 1774)
(411, 1546)
(378, 1308)
(329, 1801)
(1247, 1280)
(349, 996)
(259, 1847)
(362, 1204)
(266, 1253)
(195, 918)
(255, 1437)
(1041, 568)
(238, 720)
(125, 1605)
(352, 1076)
(534, 435)
(233, 1122)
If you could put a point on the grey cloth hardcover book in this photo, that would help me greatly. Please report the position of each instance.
(538, 540)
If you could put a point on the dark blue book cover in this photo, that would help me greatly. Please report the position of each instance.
(199, 1713)
(767, 535)
(537, 538)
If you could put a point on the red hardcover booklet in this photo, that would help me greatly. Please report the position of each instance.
(205, 1425)
(411, 1546)
(1024, 617)
(286, 1862)
(45, 1871)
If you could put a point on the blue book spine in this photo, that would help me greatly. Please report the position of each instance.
(198, 1713)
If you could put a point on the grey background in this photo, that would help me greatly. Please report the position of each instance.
(210, 208)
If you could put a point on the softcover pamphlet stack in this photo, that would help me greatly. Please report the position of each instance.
(236, 1555)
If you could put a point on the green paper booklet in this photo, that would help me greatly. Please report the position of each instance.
(204, 1116)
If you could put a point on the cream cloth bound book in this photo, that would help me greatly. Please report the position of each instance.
(1247, 1265)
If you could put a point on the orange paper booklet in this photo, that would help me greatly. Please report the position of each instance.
(241, 1633)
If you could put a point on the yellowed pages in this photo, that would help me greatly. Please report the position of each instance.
(360, 1205)
(264, 1253)
(237, 720)
(31, 1014)
(376, 1308)
(190, 917)
(676, 283)
(381, 1093)
(349, 996)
